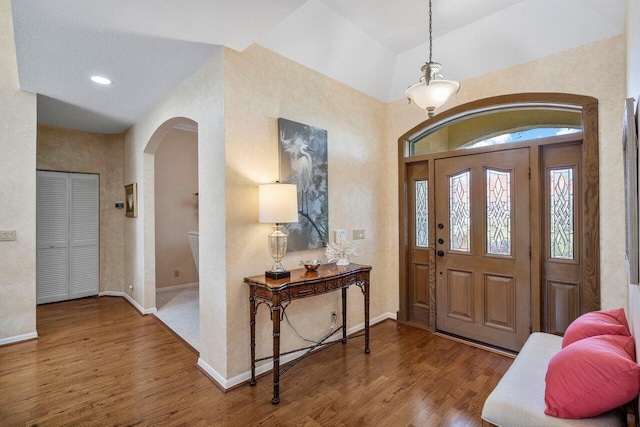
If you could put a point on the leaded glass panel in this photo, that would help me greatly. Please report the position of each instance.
(422, 213)
(561, 213)
(498, 212)
(460, 212)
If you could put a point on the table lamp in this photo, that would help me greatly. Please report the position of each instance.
(278, 204)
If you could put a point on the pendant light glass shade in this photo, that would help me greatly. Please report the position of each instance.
(433, 94)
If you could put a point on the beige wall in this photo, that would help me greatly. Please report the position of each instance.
(176, 206)
(571, 71)
(17, 193)
(66, 150)
(200, 98)
(261, 87)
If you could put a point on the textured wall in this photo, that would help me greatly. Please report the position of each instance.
(17, 192)
(67, 150)
(176, 206)
(571, 71)
(261, 87)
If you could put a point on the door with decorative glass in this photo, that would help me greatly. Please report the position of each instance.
(482, 247)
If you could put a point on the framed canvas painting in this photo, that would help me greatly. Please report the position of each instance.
(303, 161)
(630, 147)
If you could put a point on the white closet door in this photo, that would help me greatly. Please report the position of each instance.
(67, 235)
(52, 225)
(84, 259)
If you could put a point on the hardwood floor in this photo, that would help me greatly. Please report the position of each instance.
(98, 362)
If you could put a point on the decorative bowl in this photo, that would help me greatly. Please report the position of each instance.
(311, 264)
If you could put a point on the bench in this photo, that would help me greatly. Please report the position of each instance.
(518, 399)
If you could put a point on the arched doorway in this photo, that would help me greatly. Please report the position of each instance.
(174, 153)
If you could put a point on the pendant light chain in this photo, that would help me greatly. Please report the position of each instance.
(432, 90)
(430, 32)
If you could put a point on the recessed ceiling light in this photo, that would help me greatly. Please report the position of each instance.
(101, 80)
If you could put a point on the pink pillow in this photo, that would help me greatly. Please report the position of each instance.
(591, 376)
(604, 322)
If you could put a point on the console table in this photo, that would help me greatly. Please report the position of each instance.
(277, 294)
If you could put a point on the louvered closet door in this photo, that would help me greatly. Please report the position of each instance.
(52, 226)
(83, 236)
(67, 227)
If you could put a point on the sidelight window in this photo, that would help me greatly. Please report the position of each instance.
(422, 213)
(561, 213)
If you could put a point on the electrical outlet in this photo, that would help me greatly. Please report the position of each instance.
(7, 235)
(358, 234)
(341, 236)
(176, 273)
(334, 316)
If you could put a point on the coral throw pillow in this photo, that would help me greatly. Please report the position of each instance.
(603, 322)
(591, 376)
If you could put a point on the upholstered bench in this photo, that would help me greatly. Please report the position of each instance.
(518, 399)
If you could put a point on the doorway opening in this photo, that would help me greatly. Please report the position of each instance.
(176, 218)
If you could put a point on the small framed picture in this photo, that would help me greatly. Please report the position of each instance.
(131, 200)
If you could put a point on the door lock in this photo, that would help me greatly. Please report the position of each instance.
(440, 241)
(440, 226)
(440, 253)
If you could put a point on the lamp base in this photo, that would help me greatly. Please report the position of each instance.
(277, 275)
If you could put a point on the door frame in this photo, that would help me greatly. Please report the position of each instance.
(590, 209)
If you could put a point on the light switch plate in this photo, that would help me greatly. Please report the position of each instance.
(358, 234)
(7, 235)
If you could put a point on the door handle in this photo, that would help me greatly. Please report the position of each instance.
(440, 253)
(440, 241)
(440, 226)
(52, 245)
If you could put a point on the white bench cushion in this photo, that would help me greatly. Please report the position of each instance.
(518, 399)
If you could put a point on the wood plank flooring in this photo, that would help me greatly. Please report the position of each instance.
(98, 362)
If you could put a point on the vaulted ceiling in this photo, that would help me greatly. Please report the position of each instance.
(147, 47)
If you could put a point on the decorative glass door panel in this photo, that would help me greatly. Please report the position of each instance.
(422, 213)
(561, 213)
(498, 212)
(482, 236)
(460, 212)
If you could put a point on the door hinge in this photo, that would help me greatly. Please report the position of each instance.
(529, 252)
(529, 173)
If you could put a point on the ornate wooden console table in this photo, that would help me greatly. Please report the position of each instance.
(277, 294)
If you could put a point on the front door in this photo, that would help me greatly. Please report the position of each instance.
(483, 247)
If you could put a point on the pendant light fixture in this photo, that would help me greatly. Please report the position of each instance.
(432, 90)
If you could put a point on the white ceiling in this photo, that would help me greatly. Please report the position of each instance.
(147, 47)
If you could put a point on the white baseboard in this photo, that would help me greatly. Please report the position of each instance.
(18, 338)
(178, 287)
(131, 300)
(214, 374)
(246, 376)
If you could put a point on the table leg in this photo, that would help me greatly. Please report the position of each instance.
(344, 315)
(366, 317)
(252, 317)
(275, 319)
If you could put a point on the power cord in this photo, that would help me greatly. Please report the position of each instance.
(333, 325)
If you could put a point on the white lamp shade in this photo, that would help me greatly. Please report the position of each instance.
(435, 94)
(278, 203)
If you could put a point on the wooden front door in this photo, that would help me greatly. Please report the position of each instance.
(482, 247)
